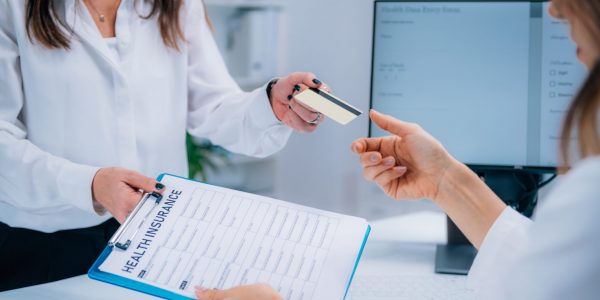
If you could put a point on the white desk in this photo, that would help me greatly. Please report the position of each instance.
(398, 246)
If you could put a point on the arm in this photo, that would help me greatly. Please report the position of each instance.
(246, 123)
(411, 164)
(469, 202)
(34, 180)
(30, 177)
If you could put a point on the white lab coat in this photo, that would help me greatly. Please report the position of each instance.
(65, 113)
(557, 256)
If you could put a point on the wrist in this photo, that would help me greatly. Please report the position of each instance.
(98, 207)
(269, 89)
(468, 201)
(455, 179)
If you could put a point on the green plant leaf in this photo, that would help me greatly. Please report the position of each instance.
(203, 157)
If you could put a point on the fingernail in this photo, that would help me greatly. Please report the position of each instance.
(317, 81)
(373, 158)
(290, 97)
(297, 87)
(389, 161)
(400, 170)
(159, 186)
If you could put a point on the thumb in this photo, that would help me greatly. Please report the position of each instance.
(209, 294)
(139, 181)
(391, 124)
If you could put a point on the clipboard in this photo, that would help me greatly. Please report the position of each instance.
(121, 240)
(125, 234)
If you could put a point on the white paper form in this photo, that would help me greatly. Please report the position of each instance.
(202, 235)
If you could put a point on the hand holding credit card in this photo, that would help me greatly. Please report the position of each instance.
(329, 105)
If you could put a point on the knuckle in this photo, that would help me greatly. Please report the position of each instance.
(415, 126)
(294, 76)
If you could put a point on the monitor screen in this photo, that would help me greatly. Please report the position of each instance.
(491, 80)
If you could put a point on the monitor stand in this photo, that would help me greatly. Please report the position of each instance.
(517, 188)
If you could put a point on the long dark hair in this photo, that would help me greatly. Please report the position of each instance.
(45, 26)
(582, 115)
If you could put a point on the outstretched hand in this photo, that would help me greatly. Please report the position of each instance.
(409, 164)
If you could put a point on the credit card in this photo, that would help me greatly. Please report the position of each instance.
(329, 105)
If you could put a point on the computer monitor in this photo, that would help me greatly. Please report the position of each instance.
(490, 79)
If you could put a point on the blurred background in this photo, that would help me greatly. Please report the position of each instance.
(260, 40)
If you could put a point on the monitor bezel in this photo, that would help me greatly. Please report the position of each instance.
(474, 167)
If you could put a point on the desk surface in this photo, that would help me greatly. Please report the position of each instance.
(397, 246)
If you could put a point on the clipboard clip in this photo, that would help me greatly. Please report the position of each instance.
(117, 240)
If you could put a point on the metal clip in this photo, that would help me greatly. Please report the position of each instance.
(115, 240)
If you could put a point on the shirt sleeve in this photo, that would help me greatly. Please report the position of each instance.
(31, 178)
(554, 257)
(242, 122)
(507, 237)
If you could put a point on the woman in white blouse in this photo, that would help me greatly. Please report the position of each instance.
(90, 84)
(556, 256)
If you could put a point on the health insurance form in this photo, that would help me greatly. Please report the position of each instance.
(202, 235)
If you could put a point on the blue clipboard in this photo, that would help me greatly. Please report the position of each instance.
(97, 274)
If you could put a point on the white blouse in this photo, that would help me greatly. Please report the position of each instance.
(557, 256)
(113, 48)
(66, 113)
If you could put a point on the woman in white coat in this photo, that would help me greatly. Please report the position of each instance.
(556, 256)
(95, 93)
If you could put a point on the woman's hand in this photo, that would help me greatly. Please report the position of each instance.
(291, 112)
(247, 292)
(118, 190)
(410, 164)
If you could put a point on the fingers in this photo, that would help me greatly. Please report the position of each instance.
(384, 178)
(391, 124)
(366, 144)
(372, 171)
(369, 159)
(304, 112)
(384, 172)
(209, 294)
(139, 181)
(293, 120)
(306, 78)
(325, 87)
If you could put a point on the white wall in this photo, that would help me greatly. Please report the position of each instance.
(332, 39)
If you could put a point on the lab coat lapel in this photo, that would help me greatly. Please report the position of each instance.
(80, 21)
